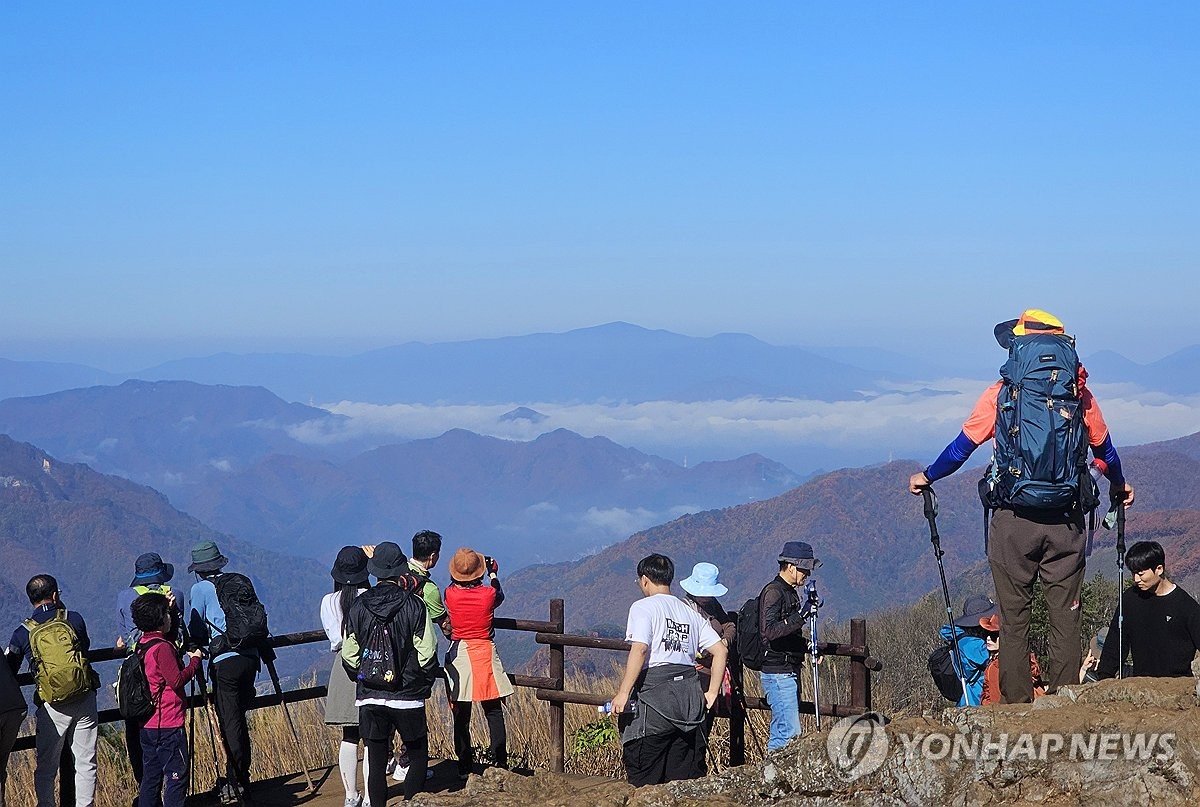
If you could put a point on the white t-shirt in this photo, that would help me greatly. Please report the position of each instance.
(331, 618)
(674, 633)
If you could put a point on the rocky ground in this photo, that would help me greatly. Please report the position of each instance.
(1135, 741)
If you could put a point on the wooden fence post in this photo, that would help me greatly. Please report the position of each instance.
(860, 677)
(558, 708)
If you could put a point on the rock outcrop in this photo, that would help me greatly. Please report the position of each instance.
(1132, 742)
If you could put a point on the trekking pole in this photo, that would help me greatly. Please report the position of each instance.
(270, 662)
(192, 741)
(815, 657)
(931, 510)
(1120, 588)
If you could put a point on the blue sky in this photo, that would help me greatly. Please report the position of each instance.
(190, 178)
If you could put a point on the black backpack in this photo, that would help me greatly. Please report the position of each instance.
(245, 615)
(379, 668)
(945, 676)
(749, 640)
(135, 701)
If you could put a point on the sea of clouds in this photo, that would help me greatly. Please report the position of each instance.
(906, 421)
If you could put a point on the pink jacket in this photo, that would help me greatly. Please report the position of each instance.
(167, 680)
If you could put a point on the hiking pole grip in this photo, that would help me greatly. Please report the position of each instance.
(931, 511)
(1121, 530)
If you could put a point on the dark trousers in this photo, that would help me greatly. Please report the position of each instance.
(10, 725)
(164, 767)
(133, 741)
(493, 710)
(1021, 549)
(663, 758)
(233, 689)
(376, 724)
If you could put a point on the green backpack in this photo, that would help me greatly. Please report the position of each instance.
(60, 668)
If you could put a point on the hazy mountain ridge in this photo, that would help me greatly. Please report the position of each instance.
(557, 496)
(869, 532)
(165, 434)
(616, 361)
(88, 528)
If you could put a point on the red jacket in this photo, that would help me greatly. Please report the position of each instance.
(167, 680)
(471, 609)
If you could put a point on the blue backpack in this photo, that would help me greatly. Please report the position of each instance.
(1040, 460)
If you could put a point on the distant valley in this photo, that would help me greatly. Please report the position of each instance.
(230, 457)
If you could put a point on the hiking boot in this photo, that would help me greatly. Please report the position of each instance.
(226, 792)
(353, 801)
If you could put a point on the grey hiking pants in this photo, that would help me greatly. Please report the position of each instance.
(1023, 547)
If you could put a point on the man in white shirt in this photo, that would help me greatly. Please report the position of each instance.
(661, 731)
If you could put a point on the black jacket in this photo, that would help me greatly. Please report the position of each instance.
(780, 622)
(412, 636)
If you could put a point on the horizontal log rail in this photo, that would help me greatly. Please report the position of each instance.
(551, 688)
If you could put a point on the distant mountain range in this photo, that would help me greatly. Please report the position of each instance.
(166, 434)
(868, 531)
(87, 529)
(612, 362)
(231, 457)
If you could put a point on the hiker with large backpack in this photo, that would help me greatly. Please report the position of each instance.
(391, 646)
(771, 638)
(151, 692)
(150, 575)
(1039, 490)
(55, 642)
(226, 618)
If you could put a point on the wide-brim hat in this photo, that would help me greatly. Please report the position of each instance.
(976, 609)
(703, 582)
(206, 557)
(150, 569)
(799, 554)
(1032, 320)
(350, 566)
(990, 623)
(387, 561)
(466, 565)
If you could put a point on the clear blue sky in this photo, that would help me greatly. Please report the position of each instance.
(188, 178)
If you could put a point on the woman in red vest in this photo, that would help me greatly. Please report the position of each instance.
(472, 665)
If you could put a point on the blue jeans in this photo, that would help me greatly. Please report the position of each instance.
(783, 695)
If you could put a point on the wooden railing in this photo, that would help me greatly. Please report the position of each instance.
(551, 687)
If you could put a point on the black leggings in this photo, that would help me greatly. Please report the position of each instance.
(493, 710)
(376, 724)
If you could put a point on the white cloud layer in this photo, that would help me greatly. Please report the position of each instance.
(907, 421)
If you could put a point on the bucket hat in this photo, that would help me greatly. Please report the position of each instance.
(350, 566)
(799, 554)
(387, 561)
(703, 582)
(976, 610)
(466, 565)
(1032, 320)
(149, 569)
(206, 557)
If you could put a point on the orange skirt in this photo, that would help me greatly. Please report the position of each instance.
(474, 671)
